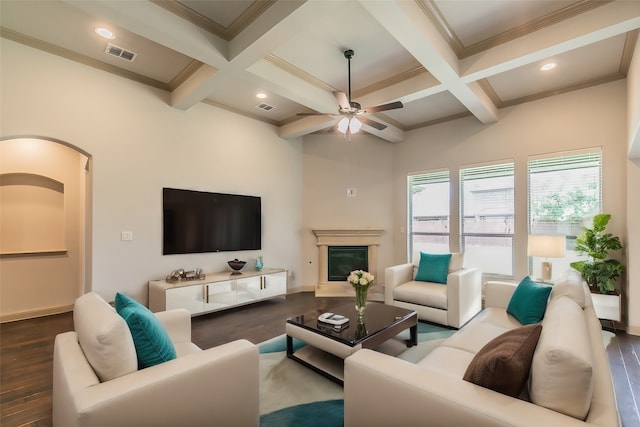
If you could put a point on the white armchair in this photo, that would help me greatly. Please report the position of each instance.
(218, 386)
(453, 304)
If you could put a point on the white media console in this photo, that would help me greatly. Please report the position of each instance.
(217, 291)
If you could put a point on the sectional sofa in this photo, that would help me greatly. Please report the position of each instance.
(566, 383)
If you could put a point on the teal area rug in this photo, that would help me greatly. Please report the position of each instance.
(294, 395)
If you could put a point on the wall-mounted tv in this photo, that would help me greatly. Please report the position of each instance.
(197, 221)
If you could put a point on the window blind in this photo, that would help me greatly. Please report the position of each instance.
(428, 212)
(487, 217)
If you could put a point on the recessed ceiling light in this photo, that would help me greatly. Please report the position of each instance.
(261, 95)
(103, 32)
(548, 66)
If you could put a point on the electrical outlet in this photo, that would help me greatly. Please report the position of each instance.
(126, 236)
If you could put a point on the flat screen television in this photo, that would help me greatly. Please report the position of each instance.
(198, 221)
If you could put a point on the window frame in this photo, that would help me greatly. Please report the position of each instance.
(558, 161)
(436, 176)
(493, 169)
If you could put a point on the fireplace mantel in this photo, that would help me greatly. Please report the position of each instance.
(352, 236)
(326, 237)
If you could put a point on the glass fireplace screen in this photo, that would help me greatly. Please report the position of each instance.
(344, 259)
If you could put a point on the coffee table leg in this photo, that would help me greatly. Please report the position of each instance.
(289, 345)
(413, 336)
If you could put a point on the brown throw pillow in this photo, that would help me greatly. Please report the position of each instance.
(503, 363)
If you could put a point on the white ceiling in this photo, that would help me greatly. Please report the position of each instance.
(442, 58)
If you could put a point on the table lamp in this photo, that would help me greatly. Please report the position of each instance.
(546, 246)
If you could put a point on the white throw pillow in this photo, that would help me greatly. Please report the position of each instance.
(561, 372)
(104, 337)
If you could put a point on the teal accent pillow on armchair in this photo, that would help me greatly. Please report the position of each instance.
(529, 301)
(150, 339)
(433, 268)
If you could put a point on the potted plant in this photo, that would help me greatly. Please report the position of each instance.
(599, 272)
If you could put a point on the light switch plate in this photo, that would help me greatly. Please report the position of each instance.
(126, 236)
(351, 192)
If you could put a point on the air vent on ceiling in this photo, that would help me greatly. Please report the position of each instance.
(265, 107)
(120, 52)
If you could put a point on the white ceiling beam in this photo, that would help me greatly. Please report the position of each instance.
(590, 27)
(406, 21)
(270, 29)
(305, 125)
(406, 91)
(390, 133)
(192, 89)
(290, 86)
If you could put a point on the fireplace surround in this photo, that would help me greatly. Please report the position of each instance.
(352, 237)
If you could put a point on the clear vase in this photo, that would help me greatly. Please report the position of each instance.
(361, 328)
(361, 299)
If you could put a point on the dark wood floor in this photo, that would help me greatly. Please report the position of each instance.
(26, 349)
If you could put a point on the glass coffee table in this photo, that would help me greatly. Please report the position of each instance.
(328, 346)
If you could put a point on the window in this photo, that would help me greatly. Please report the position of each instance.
(563, 191)
(429, 212)
(487, 223)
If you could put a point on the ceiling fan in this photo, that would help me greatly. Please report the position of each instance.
(351, 112)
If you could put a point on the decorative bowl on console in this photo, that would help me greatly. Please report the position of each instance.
(236, 265)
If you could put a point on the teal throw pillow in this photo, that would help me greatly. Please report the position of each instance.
(529, 301)
(433, 268)
(151, 340)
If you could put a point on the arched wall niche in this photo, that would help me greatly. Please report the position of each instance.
(45, 211)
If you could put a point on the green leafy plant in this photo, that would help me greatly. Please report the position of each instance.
(600, 273)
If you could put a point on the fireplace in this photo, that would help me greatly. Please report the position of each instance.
(342, 260)
(351, 249)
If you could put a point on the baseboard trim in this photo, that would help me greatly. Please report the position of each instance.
(633, 330)
(298, 290)
(30, 314)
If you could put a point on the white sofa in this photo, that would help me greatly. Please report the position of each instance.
(218, 386)
(452, 304)
(569, 383)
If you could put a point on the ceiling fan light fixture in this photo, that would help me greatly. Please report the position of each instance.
(354, 125)
(343, 125)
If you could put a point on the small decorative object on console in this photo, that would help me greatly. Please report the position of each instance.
(361, 282)
(236, 265)
(259, 263)
(181, 274)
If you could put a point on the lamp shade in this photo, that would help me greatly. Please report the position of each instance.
(548, 246)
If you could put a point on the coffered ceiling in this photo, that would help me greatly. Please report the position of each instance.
(442, 59)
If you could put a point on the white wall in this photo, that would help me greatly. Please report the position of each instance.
(331, 165)
(140, 144)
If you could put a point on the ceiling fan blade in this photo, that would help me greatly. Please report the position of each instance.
(372, 123)
(343, 100)
(384, 107)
